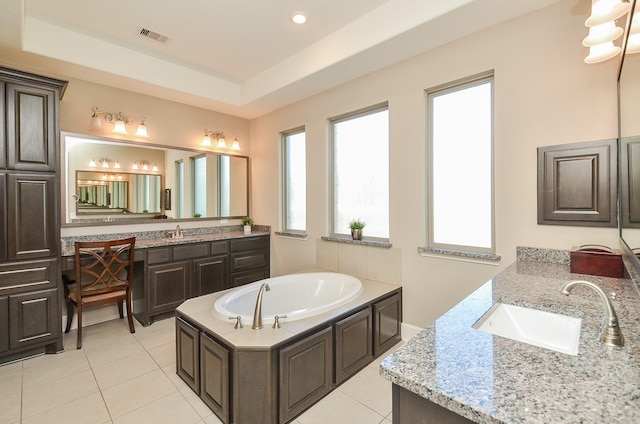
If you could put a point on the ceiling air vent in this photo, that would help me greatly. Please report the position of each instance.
(147, 33)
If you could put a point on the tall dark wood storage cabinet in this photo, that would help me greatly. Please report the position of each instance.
(30, 284)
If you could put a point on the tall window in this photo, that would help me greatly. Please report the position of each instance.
(360, 163)
(179, 196)
(460, 118)
(294, 181)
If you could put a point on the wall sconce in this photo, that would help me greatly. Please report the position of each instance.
(119, 120)
(104, 163)
(603, 30)
(219, 139)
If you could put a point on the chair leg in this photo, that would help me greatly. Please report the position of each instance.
(130, 313)
(120, 309)
(69, 315)
(79, 308)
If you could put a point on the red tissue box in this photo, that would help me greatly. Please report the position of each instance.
(597, 260)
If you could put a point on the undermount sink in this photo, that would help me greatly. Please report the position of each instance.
(539, 328)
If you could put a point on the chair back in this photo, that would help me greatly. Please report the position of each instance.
(104, 266)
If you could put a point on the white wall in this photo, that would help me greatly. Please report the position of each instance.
(544, 95)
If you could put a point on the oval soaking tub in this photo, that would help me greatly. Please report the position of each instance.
(297, 296)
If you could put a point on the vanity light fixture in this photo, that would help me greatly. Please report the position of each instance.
(92, 163)
(145, 166)
(104, 163)
(135, 165)
(219, 138)
(119, 120)
(155, 168)
(116, 165)
(603, 30)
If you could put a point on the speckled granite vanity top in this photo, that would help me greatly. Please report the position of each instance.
(490, 379)
(148, 239)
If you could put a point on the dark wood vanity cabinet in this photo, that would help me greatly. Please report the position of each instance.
(173, 274)
(387, 322)
(30, 284)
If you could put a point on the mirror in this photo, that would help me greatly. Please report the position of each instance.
(629, 133)
(111, 181)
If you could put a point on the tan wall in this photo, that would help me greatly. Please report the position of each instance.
(544, 95)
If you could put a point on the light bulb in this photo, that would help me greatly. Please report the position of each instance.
(105, 163)
(235, 145)
(135, 165)
(145, 166)
(206, 141)
(222, 143)
(155, 168)
(92, 163)
(116, 165)
(142, 130)
(119, 127)
(606, 10)
(602, 52)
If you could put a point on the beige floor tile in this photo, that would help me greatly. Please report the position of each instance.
(337, 407)
(118, 347)
(10, 409)
(124, 369)
(41, 397)
(165, 354)
(368, 388)
(170, 409)
(11, 368)
(196, 403)
(170, 372)
(11, 384)
(137, 392)
(46, 368)
(160, 333)
(87, 410)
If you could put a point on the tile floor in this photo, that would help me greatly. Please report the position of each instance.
(120, 378)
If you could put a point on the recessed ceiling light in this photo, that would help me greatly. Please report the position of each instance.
(299, 17)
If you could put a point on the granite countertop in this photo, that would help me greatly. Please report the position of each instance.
(490, 379)
(148, 239)
(200, 310)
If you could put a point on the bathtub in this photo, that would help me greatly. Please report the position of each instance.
(297, 296)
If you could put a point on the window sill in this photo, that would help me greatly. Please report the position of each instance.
(296, 236)
(460, 255)
(372, 243)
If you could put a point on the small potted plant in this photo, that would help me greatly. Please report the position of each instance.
(356, 226)
(247, 223)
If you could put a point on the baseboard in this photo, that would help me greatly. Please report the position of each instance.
(408, 331)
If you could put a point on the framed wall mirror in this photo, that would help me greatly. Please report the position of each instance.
(117, 181)
(629, 135)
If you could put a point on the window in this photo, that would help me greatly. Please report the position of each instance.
(460, 122)
(179, 202)
(199, 166)
(360, 170)
(294, 181)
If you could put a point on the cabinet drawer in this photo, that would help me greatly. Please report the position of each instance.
(32, 275)
(219, 248)
(159, 255)
(249, 260)
(189, 251)
(251, 243)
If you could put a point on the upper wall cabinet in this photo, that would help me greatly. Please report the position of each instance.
(577, 184)
(31, 139)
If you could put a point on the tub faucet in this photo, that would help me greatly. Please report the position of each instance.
(610, 334)
(257, 314)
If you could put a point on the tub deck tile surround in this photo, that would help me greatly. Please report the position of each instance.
(490, 379)
(200, 311)
(147, 239)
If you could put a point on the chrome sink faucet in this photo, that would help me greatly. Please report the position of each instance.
(257, 314)
(610, 334)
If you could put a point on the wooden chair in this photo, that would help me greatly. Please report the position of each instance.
(104, 275)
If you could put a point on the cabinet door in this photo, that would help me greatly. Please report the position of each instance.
(31, 128)
(353, 344)
(211, 275)
(169, 286)
(32, 216)
(4, 324)
(3, 212)
(387, 315)
(33, 318)
(214, 377)
(306, 369)
(3, 152)
(188, 354)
